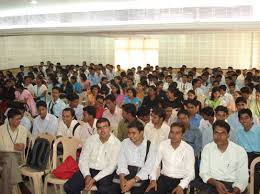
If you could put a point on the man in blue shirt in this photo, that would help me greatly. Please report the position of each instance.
(192, 106)
(249, 137)
(92, 77)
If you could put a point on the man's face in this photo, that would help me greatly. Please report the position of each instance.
(168, 112)
(156, 119)
(246, 120)
(110, 105)
(192, 110)
(55, 94)
(183, 119)
(134, 135)
(221, 115)
(220, 135)
(176, 134)
(67, 117)
(42, 111)
(15, 121)
(241, 105)
(103, 130)
(74, 103)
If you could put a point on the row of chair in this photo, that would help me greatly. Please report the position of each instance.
(70, 146)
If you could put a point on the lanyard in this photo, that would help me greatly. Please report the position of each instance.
(13, 141)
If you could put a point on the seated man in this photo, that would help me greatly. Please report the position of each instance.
(88, 122)
(157, 130)
(74, 104)
(68, 126)
(177, 159)
(113, 112)
(135, 162)
(44, 122)
(13, 138)
(249, 138)
(129, 115)
(56, 105)
(223, 166)
(97, 162)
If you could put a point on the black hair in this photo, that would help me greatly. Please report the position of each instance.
(222, 124)
(183, 111)
(136, 124)
(209, 111)
(245, 111)
(130, 108)
(72, 96)
(41, 103)
(241, 99)
(91, 110)
(103, 120)
(56, 88)
(133, 91)
(222, 108)
(245, 90)
(143, 111)
(193, 102)
(71, 110)
(223, 87)
(159, 112)
(177, 124)
(12, 113)
(111, 97)
(214, 90)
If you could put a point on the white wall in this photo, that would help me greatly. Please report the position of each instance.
(208, 49)
(30, 50)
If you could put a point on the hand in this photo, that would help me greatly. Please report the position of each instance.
(88, 182)
(19, 146)
(221, 188)
(178, 190)
(128, 185)
(152, 185)
(122, 182)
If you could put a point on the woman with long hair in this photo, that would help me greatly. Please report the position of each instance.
(215, 99)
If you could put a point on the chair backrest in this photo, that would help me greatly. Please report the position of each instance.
(47, 136)
(252, 173)
(70, 146)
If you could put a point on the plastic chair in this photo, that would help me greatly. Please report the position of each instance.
(36, 175)
(252, 173)
(70, 146)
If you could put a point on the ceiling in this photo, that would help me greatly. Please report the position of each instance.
(21, 4)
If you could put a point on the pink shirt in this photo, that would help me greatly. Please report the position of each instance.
(27, 96)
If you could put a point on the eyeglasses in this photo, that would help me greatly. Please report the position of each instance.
(102, 127)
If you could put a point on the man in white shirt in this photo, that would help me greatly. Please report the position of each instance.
(135, 162)
(157, 130)
(69, 126)
(13, 138)
(39, 90)
(177, 158)
(74, 104)
(224, 164)
(184, 86)
(44, 122)
(170, 113)
(97, 162)
(88, 122)
(56, 105)
(228, 98)
(113, 113)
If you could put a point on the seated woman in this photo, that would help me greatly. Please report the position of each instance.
(215, 99)
(131, 98)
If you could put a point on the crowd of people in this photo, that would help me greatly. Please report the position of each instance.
(145, 129)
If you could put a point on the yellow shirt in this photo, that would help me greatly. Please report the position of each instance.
(8, 137)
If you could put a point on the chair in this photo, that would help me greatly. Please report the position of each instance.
(36, 175)
(252, 173)
(70, 146)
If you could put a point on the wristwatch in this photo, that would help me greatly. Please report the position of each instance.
(136, 180)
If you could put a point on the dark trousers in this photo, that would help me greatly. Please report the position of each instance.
(77, 183)
(165, 185)
(210, 189)
(115, 189)
(251, 157)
